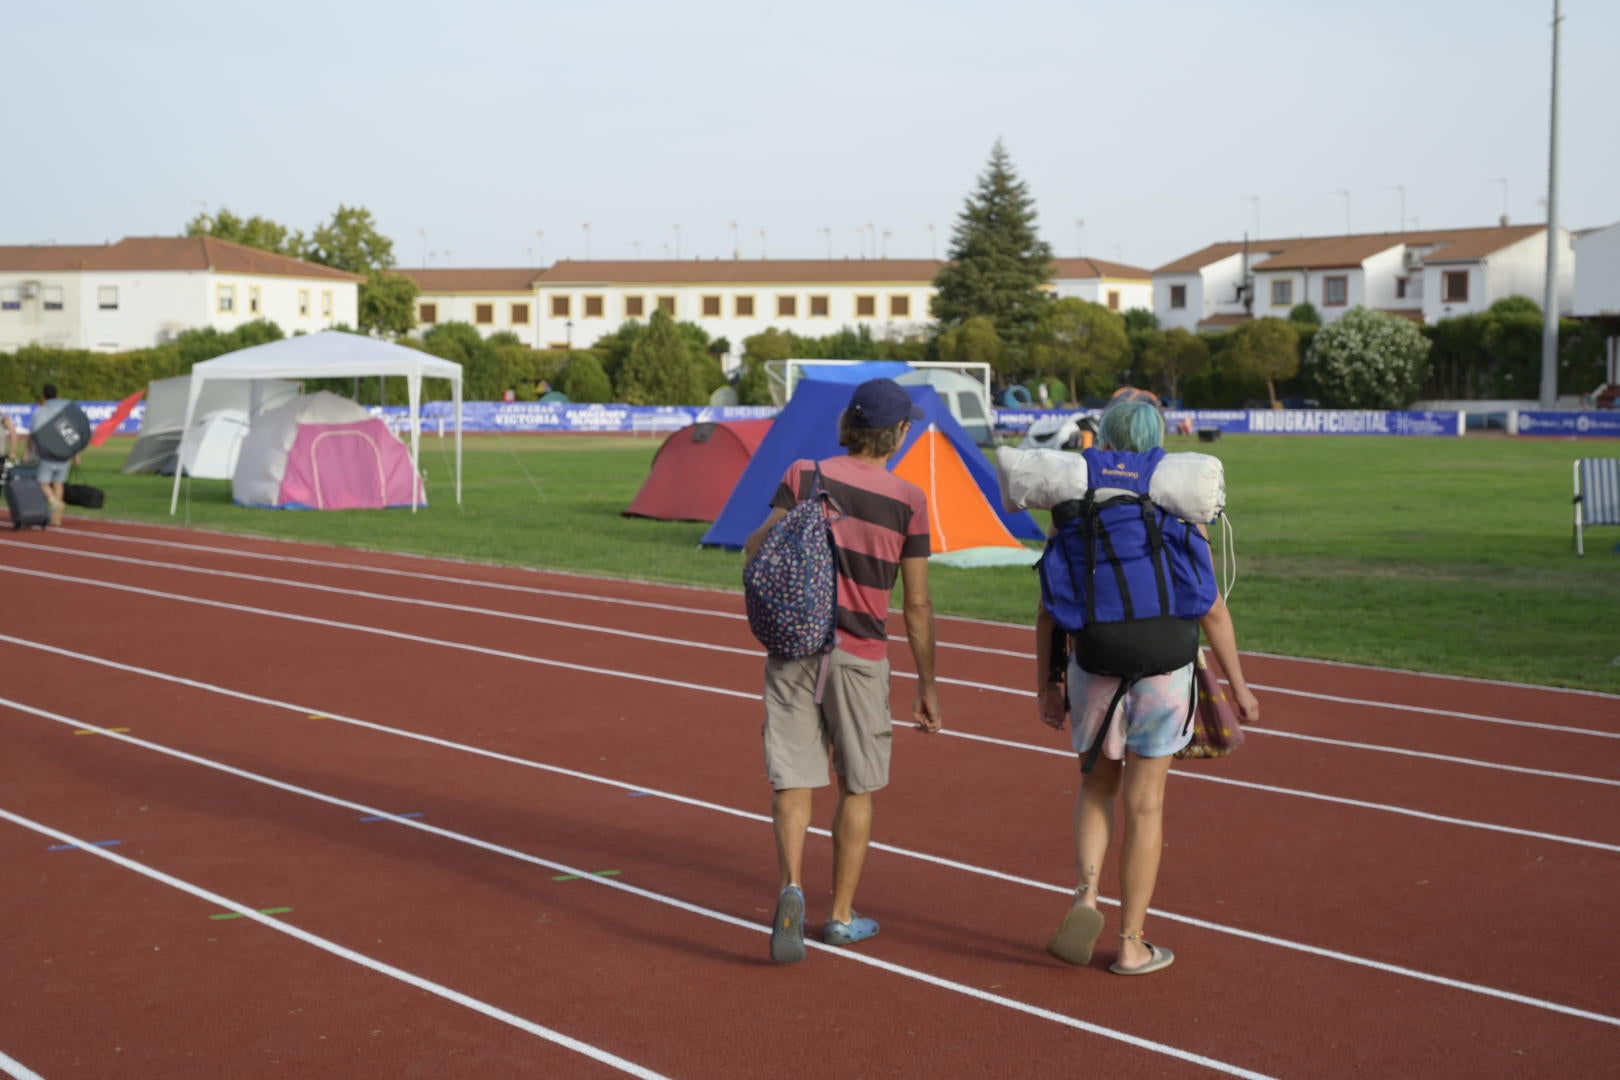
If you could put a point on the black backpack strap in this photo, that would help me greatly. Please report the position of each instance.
(1095, 752)
(1150, 521)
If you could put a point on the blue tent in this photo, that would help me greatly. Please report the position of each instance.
(853, 372)
(808, 428)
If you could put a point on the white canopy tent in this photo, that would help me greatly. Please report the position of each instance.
(330, 354)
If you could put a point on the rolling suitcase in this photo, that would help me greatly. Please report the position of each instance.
(26, 500)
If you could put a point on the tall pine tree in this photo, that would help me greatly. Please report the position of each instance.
(998, 265)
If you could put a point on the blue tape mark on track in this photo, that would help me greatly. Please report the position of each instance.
(640, 794)
(415, 813)
(75, 847)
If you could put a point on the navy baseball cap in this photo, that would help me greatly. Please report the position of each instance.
(881, 403)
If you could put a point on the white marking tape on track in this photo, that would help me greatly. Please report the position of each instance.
(708, 689)
(642, 636)
(340, 951)
(585, 875)
(16, 1069)
(938, 860)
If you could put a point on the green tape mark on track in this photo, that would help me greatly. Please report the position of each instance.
(262, 911)
(594, 873)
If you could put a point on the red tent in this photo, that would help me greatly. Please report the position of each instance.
(695, 470)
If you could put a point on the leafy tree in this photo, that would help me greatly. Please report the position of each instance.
(1515, 305)
(1304, 314)
(1370, 360)
(1082, 343)
(1174, 355)
(350, 241)
(584, 380)
(388, 304)
(658, 370)
(999, 266)
(1268, 348)
(1137, 319)
(255, 232)
(975, 341)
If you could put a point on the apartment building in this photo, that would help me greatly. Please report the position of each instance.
(1425, 276)
(143, 291)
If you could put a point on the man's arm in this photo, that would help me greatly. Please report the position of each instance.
(751, 548)
(919, 612)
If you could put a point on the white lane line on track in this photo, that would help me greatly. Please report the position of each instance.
(755, 653)
(340, 951)
(1010, 653)
(747, 815)
(647, 894)
(708, 689)
(16, 1069)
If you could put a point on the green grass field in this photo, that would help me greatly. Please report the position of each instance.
(1442, 555)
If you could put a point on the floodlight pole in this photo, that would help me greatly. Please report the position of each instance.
(1549, 306)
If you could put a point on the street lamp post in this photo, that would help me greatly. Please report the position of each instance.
(568, 328)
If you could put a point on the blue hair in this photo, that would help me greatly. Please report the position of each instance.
(1131, 425)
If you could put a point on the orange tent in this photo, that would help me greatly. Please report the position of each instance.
(959, 516)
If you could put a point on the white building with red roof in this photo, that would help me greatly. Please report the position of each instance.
(1425, 276)
(143, 291)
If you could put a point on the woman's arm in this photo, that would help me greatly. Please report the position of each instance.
(1217, 626)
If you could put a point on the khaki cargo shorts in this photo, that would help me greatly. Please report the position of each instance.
(851, 726)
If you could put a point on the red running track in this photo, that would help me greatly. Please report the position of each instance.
(1399, 875)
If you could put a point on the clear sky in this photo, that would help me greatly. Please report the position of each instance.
(499, 128)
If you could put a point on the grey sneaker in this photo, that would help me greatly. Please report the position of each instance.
(787, 928)
(848, 933)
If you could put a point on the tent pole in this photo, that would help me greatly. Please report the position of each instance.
(456, 387)
(414, 392)
(193, 391)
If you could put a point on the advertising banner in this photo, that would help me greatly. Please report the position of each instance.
(1576, 425)
(1272, 421)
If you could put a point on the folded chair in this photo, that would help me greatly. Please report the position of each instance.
(1597, 496)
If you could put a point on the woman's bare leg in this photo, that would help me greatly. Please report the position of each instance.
(1093, 826)
(1140, 849)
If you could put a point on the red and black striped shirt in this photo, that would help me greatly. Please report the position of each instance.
(885, 520)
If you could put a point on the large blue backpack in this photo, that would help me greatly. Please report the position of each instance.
(1128, 580)
(791, 586)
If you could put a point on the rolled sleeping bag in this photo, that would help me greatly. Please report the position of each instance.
(1189, 485)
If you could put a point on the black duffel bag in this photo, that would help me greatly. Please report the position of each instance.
(91, 498)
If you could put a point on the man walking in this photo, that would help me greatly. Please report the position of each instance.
(883, 536)
(53, 474)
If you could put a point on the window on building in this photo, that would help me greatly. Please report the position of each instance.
(255, 300)
(899, 307)
(11, 298)
(635, 307)
(1282, 293)
(52, 295)
(560, 307)
(1454, 287)
(1400, 288)
(426, 314)
(594, 306)
(666, 304)
(484, 314)
(865, 307)
(107, 298)
(744, 306)
(1113, 299)
(303, 301)
(787, 307)
(1178, 296)
(520, 314)
(226, 297)
(1335, 291)
(819, 306)
(711, 307)
(326, 303)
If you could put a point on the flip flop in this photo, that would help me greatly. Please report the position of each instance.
(1162, 958)
(787, 926)
(848, 933)
(1076, 935)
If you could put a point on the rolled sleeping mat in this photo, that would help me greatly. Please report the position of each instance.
(1188, 485)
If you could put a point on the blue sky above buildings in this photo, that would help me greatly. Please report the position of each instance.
(825, 125)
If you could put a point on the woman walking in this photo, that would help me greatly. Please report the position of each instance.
(1149, 726)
